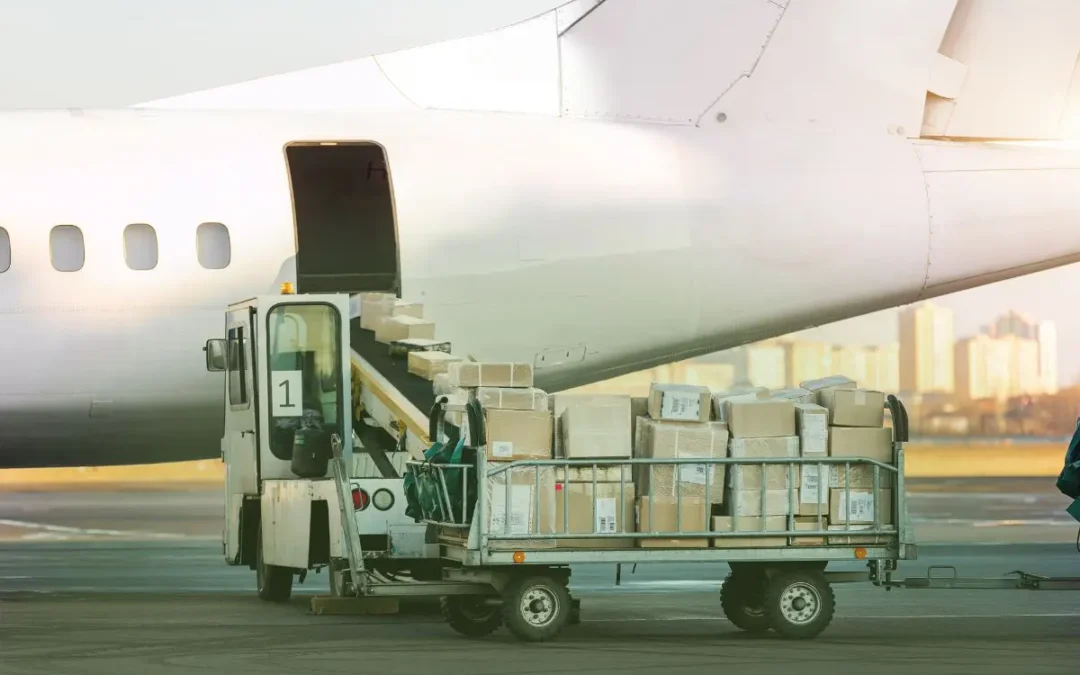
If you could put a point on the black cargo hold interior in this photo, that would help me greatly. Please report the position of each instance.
(345, 232)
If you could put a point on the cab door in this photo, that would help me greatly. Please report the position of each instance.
(240, 440)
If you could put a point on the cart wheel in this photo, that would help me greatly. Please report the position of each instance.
(274, 583)
(468, 615)
(799, 604)
(536, 608)
(742, 597)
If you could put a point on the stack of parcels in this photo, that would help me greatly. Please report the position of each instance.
(394, 319)
(594, 499)
(528, 511)
(678, 497)
(763, 429)
(855, 419)
(721, 400)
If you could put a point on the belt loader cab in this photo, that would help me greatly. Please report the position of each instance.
(288, 397)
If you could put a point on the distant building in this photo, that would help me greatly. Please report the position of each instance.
(766, 365)
(804, 360)
(1015, 324)
(983, 367)
(1046, 334)
(883, 368)
(926, 349)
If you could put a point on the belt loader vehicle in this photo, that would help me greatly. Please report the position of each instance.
(313, 481)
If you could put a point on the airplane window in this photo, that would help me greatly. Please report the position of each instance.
(66, 248)
(212, 242)
(5, 251)
(140, 246)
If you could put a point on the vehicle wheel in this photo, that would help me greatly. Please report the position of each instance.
(575, 612)
(799, 604)
(742, 597)
(470, 616)
(536, 608)
(274, 583)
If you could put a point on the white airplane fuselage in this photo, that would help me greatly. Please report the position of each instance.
(589, 248)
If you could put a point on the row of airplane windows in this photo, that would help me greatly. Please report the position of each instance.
(67, 250)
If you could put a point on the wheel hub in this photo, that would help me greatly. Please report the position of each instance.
(539, 606)
(800, 603)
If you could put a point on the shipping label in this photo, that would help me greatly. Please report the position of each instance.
(606, 515)
(693, 473)
(502, 449)
(520, 508)
(861, 508)
(680, 405)
(812, 483)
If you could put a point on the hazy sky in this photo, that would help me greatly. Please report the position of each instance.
(101, 53)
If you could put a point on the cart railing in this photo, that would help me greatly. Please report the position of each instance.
(496, 508)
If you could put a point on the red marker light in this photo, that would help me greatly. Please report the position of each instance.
(359, 499)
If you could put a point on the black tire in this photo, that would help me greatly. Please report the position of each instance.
(742, 597)
(575, 612)
(536, 607)
(468, 615)
(274, 583)
(799, 604)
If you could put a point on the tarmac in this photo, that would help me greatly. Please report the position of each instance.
(132, 580)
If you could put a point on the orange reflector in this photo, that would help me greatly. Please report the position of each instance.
(519, 557)
(287, 288)
(860, 553)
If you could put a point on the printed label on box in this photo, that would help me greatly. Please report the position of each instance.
(679, 405)
(693, 473)
(606, 515)
(862, 507)
(520, 508)
(502, 449)
(815, 434)
(811, 483)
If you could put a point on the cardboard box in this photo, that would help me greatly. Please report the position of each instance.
(796, 395)
(506, 398)
(862, 506)
(749, 524)
(559, 403)
(584, 474)
(671, 440)
(429, 364)
(373, 307)
(680, 403)
(813, 491)
(607, 519)
(664, 512)
(404, 347)
(518, 434)
(592, 431)
(748, 503)
(639, 407)
(860, 476)
(761, 419)
(522, 509)
(777, 447)
(777, 477)
(392, 328)
(865, 442)
(854, 407)
(809, 524)
(720, 401)
(490, 374)
(831, 382)
(812, 425)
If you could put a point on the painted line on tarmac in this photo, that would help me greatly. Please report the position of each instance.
(63, 532)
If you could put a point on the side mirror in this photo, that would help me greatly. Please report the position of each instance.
(215, 356)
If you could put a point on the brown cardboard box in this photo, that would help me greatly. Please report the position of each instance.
(854, 407)
(680, 403)
(664, 511)
(639, 407)
(812, 424)
(672, 440)
(584, 474)
(518, 434)
(429, 364)
(809, 524)
(592, 431)
(491, 374)
(373, 307)
(749, 524)
(761, 419)
(865, 442)
(609, 518)
(813, 492)
(506, 398)
(831, 382)
(777, 447)
(860, 476)
(795, 395)
(559, 403)
(523, 508)
(392, 328)
(777, 476)
(721, 400)
(862, 506)
(748, 502)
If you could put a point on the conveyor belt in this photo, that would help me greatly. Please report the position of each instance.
(416, 389)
